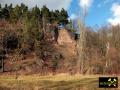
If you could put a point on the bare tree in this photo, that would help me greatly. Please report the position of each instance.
(2, 60)
(82, 44)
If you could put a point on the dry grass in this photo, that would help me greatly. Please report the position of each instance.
(57, 82)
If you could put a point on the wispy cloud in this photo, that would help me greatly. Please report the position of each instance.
(52, 4)
(115, 9)
(73, 16)
(104, 2)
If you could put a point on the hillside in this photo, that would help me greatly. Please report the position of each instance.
(64, 52)
(31, 43)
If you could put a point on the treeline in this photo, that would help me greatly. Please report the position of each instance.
(34, 34)
(103, 50)
(19, 12)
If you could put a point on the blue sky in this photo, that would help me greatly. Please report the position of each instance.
(100, 12)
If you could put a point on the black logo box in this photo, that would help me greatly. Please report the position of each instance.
(108, 82)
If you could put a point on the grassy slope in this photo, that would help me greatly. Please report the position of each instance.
(57, 82)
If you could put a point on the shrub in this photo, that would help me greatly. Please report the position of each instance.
(10, 41)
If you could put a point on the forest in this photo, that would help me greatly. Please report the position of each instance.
(27, 44)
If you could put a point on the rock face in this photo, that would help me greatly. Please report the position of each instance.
(65, 37)
(67, 47)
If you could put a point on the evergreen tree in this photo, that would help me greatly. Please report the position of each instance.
(63, 16)
(0, 11)
(16, 14)
(45, 13)
(57, 16)
(36, 13)
(52, 16)
(10, 8)
(24, 9)
(5, 12)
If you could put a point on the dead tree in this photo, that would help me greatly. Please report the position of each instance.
(82, 45)
(108, 61)
(44, 25)
(2, 55)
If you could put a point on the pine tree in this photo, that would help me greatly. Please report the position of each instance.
(0, 11)
(45, 13)
(24, 10)
(36, 13)
(5, 12)
(63, 16)
(57, 16)
(52, 16)
(16, 14)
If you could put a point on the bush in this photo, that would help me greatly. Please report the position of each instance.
(55, 60)
(10, 41)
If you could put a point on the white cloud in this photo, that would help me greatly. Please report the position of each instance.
(51, 4)
(115, 20)
(85, 3)
(73, 16)
(116, 9)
